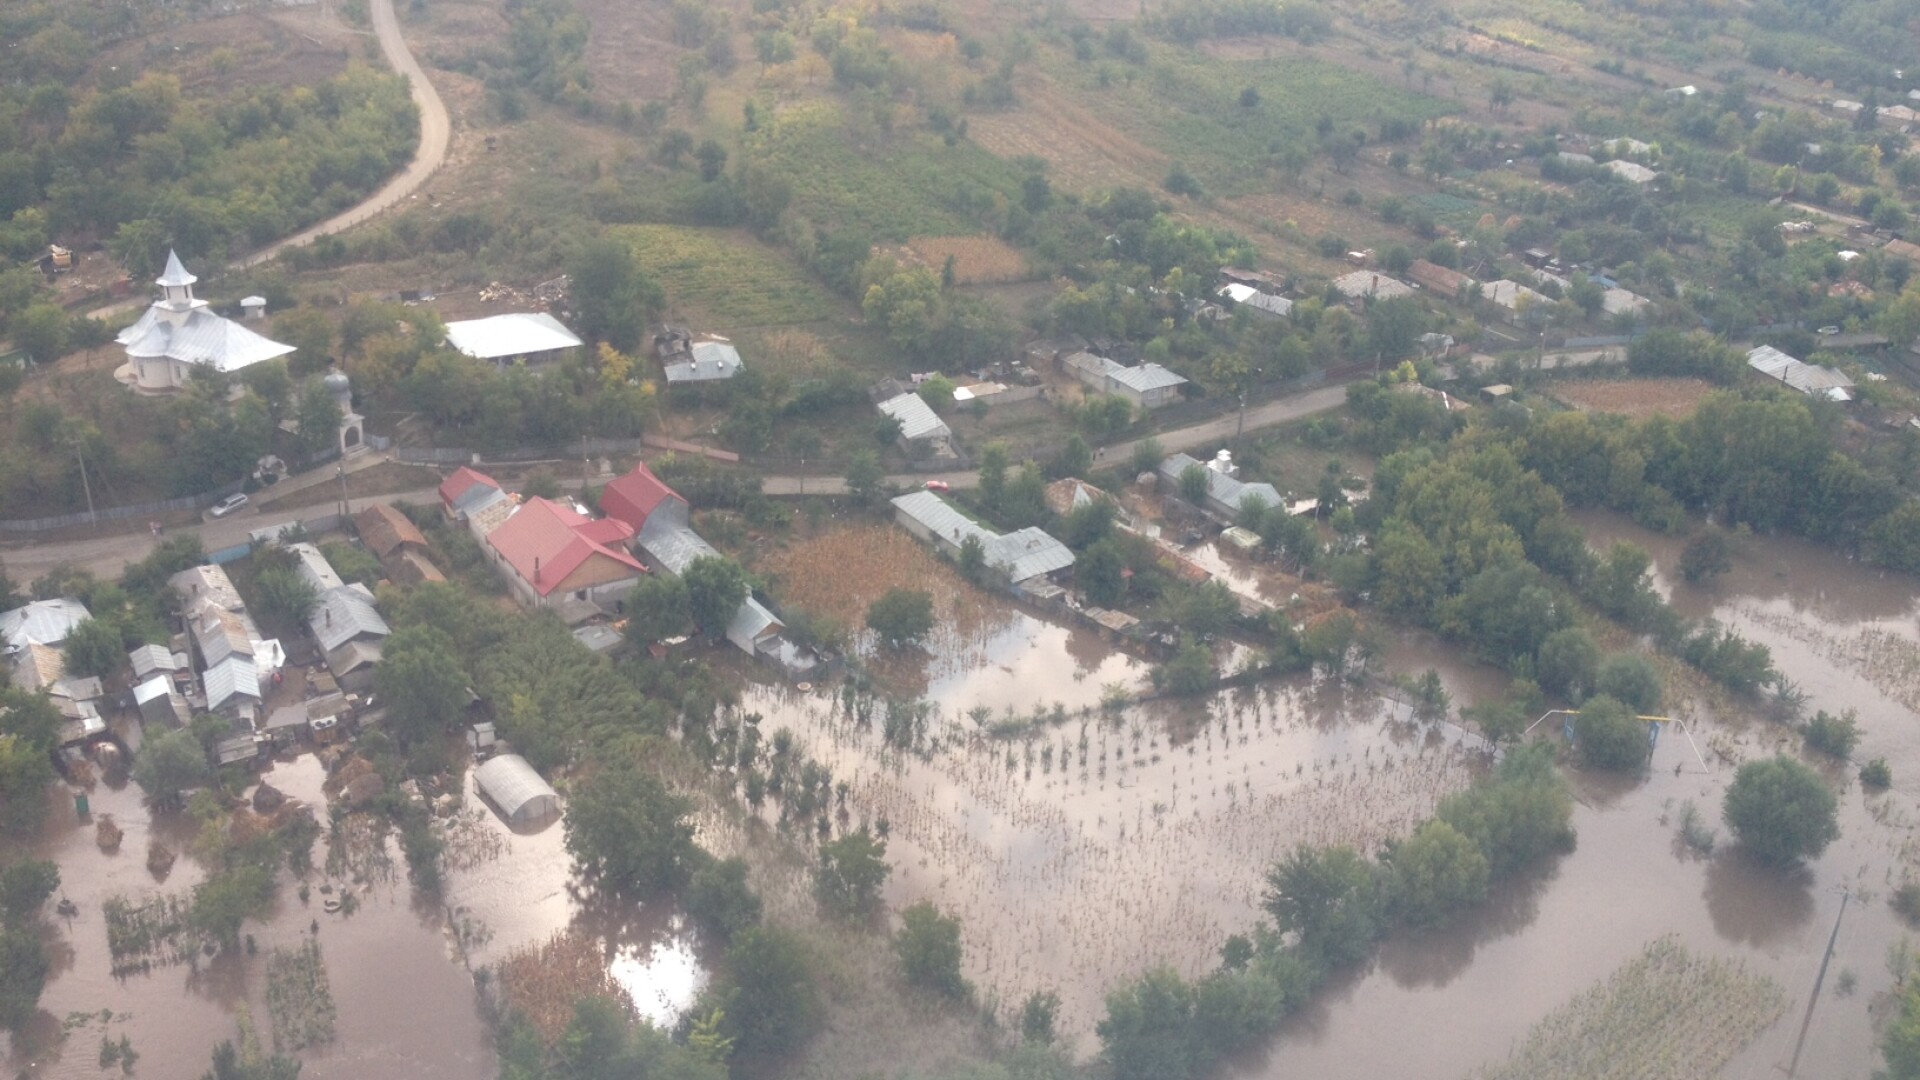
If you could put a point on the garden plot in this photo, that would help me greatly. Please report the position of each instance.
(1057, 847)
(1637, 398)
(1665, 1015)
(299, 998)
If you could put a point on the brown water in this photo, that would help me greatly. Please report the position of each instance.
(403, 1008)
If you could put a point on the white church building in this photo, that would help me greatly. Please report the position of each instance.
(178, 334)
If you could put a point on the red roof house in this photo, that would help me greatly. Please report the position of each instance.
(465, 489)
(634, 497)
(549, 551)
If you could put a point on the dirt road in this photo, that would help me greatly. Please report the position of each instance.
(436, 129)
(107, 556)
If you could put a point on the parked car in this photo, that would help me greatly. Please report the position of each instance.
(937, 485)
(229, 504)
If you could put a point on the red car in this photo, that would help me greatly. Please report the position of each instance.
(937, 485)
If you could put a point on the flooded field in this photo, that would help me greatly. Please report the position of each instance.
(404, 1007)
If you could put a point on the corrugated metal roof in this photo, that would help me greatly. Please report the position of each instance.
(1507, 294)
(148, 660)
(343, 614)
(1807, 378)
(674, 546)
(635, 495)
(713, 359)
(48, 622)
(157, 687)
(1028, 553)
(499, 337)
(598, 636)
(175, 275)
(313, 567)
(78, 689)
(352, 656)
(233, 677)
(1142, 378)
(917, 418)
(516, 788)
(1632, 171)
(940, 518)
(1254, 298)
(751, 621)
(1228, 491)
(1365, 283)
(463, 480)
(208, 583)
(201, 337)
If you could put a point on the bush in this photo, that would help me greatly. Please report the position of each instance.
(847, 881)
(1331, 898)
(1877, 774)
(630, 833)
(1631, 679)
(901, 617)
(1781, 811)
(928, 944)
(720, 900)
(1834, 736)
(1706, 556)
(1436, 873)
(770, 1000)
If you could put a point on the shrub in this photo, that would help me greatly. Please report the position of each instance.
(928, 944)
(1834, 736)
(1877, 774)
(1781, 811)
(1609, 736)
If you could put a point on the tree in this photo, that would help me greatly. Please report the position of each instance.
(1076, 458)
(316, 418)
(1901, 1043)
(95, 647)
(771, 1001)
(1568, 662)
(169, 764)
(615, 298)
(848, 878)
(1191, 670)
(1037, 1016)
(23, 974)
(1147, 455)
(716, 587)
(1148, 1030)
(1706, 556)
(227, 899)
(1250, 98)
(1101, 573)
(720, 899)
(993, 476)
(1330, 897)
(310, 331)
(24, 888)
(972, 559)
(629, 833)
(285, 596)
(29, 732)
(1209, 609)
(1193, 484)
(230, 1064)
(1609, 735)
(928, 944)
(1631, 679)
(1781, 811)
(422, 682)
(866, 480)
(712, 158)
(901, 617)
(657, 609)
(1435, 873)
(42, 331)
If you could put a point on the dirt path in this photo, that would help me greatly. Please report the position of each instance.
(436, 130)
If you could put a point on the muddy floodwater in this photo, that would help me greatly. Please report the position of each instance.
(405, 1006)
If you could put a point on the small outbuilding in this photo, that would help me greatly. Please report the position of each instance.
(516, 790)
(530, 338)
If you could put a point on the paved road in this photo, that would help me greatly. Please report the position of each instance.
(107, 556)
(436, 129)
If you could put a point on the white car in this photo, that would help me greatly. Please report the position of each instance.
(228, 505)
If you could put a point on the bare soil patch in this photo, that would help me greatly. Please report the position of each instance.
(1635, 397)
(977, 260)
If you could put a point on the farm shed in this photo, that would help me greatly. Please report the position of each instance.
(922, 432)
(1809, 379)
(519, 338)
(1258, 304)
(516, 791)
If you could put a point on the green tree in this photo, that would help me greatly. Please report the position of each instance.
(42, 331)
(657, 609)
(928, 944)
(1520, 814)
(993, 476)
(716, 587)
(1781, 811)
(712, 158)
(769, 993)
(231, 1064)
(972, 560)
(1706, 556)
(615, 298)
(1101, 573)
(169, 764)
(23, 974)
(285, 596)
(1609, 735)
(1147, 455)
(29, 732)
(229, 898)
(1330, 897)
(1148, 1030)
(901, 617)
(1076, 458)
(316, 418)
(1630, 678)
(1191, 670)
(1436, 873)
(629, 833)
(720, 899)
(850, 873)
(422, 683)
(25, 887)
(866, 479)
(96, 648)
(1568, 662)
(310, 331)
(1193, 485)
(1209, 609)
(1037, 1016)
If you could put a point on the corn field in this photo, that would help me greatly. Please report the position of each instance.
(148, 934)
(542, 982)
(298, 998)
(1666, 1015)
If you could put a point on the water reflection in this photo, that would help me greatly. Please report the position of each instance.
(664, 977)
(1757, 904)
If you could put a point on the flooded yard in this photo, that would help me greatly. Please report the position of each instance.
(404, 1007)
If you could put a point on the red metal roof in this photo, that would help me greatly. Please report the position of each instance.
(545, 541)
(463, 481)
(634, 496)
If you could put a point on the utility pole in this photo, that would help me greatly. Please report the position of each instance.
(85, 484)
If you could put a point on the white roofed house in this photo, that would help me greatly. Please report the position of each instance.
(1146, 386)
(1514, 300)
(1226, 494)
(1631, 171)
(526, 338)
(344, 621)
(690, 361)
(1259, 305)
(225, 642)
(1370, 285)
(922, 433)
(45, 622)
(178, 335)
(1022, 556)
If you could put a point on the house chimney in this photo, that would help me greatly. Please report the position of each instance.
(329, 616)
(536, 569)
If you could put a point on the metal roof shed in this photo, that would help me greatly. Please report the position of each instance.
(516, 790)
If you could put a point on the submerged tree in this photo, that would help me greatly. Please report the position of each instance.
(1781, 811)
